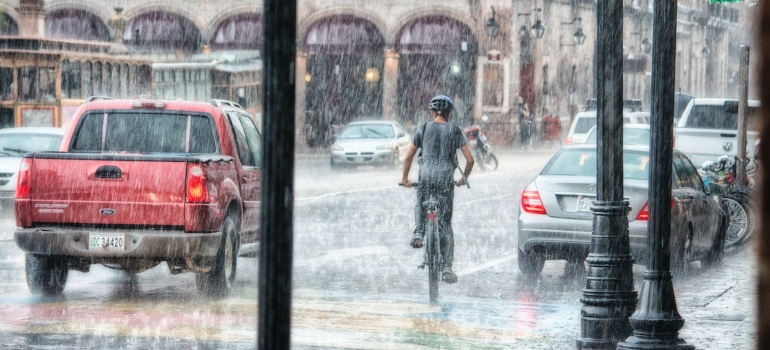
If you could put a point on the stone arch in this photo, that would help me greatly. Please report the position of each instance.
(211, 26)
(103, 12)
(162, 6)
(76, 24)
(391, 36)
(11, 25)
(306, 23)
(163, 30)
(343, 33)
(242, 31)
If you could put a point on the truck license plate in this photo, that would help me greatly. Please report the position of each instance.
(107, 241)
(584, 203)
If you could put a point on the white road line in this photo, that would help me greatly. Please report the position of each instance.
(342, 254)
(486, 199)
(486, 265)
(340, 193)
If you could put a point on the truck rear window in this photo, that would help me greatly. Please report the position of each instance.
(143, 132)
(717, 117)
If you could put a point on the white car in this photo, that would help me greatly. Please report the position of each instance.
(708, 129)
(14, 143)
(370, 142)
(584, 121)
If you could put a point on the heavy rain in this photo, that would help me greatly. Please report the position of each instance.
(135, 141)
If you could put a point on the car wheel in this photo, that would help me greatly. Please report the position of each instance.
(531, 264)
(394, 162)
(218, 282)
(334, 166)
(714, 257)
(46, 275)
(684, 257)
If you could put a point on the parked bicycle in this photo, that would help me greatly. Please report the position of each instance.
(737, 200)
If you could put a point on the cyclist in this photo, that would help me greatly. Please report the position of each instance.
(438, 141)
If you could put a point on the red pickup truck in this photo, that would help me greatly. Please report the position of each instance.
(136, 183)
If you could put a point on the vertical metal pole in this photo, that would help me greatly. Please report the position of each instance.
(656, 321)
(608, 298)
(275, 258)
(743, 116)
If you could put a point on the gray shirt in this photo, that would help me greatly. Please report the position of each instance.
(438, 143)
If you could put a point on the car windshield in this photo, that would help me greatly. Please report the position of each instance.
(582, 162)
(367, 131)
(718, 117)
(584, 124)
(15, 145)
(631, 136)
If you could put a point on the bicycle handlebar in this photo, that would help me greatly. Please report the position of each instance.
(417, 184)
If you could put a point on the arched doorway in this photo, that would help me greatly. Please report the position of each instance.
(344, 66)
(438, 56)
(162, 31)
(75, 24)
(239, 32)
(7, 25)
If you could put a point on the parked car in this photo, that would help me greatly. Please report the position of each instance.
(140, 182)
(584, 121)
(633, 134)
(370, 142)
(708, 129)
(555, 220)
(14, 143)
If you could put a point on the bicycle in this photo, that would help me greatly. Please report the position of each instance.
(432, 256)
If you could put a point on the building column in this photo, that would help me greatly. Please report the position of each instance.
(31, 18)
(390, 84)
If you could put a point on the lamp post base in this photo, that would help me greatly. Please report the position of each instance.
(637, 343)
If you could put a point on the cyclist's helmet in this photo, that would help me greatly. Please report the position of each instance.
(441, 104)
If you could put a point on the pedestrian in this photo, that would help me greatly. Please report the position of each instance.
(438, 141)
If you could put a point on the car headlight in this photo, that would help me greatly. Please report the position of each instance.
(385, 147)
(337, 148)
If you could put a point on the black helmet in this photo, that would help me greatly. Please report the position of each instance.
(440, 103)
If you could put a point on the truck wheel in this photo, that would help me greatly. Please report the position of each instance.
(219, 281)
(45, 274)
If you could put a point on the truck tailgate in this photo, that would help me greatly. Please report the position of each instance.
(108, 190)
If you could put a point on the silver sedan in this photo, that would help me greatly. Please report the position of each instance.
(372, 142)
(555, 219)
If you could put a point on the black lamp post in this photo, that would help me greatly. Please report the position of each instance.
(492, 27)
(609, 297)
(657, 322)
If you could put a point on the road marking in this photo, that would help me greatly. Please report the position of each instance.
(342, 254)
(486, 265)
(341, 193)
(487, 199)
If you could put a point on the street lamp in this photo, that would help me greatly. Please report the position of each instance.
(492, 27)
(538, 29)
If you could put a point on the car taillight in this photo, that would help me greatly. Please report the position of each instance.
(644, 214)
(196, 184)
(151, 105)
(531, 202)
(568, 141)
(23, 185)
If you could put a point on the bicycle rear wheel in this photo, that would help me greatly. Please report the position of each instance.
(432, 252)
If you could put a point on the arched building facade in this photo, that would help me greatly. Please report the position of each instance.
(385, 60)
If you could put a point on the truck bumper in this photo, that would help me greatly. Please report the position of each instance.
(160, 245)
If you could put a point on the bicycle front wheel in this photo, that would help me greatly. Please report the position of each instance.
(432, 252)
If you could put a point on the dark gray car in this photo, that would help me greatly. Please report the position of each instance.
(555, 220)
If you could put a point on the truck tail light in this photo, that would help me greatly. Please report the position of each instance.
(644, 214)
(196, 184)
(531, 202)
(23, 185)
(568, 141)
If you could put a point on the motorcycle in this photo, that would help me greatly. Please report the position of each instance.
(480, 148)
(736, 199)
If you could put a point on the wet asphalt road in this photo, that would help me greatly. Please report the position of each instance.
(356, 282)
